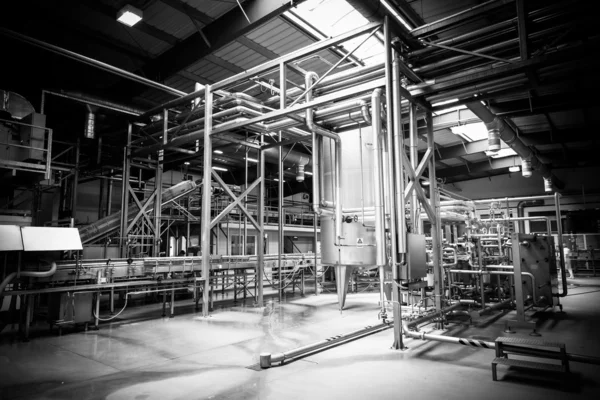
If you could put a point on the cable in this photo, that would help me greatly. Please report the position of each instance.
(114, 316)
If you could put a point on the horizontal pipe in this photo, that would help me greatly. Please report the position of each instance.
(267, 359)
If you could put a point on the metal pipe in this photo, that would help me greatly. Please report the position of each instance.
(90, 61)
(94, 101)
(267, 359)
(481, 273)
(378, 179)
(560, 244)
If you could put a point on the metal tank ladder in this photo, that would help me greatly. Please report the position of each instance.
(534, 349)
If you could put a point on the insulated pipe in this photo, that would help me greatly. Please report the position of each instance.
(33, 274)
(407, 326)
(91, 100)
(317, 130)
(378, 179)
(267, 359)
(509, 136)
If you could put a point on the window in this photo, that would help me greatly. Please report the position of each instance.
(237, 245)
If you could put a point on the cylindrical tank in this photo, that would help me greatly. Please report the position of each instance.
(357, 248)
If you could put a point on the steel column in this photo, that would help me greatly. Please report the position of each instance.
(206, 199)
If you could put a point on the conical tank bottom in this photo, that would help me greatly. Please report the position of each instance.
(343, 274)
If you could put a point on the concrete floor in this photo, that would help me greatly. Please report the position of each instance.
(147, 357)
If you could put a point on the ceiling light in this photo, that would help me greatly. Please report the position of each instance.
(471, 132)
(308, 173)
(425, 183)
(277, 180)
(220, 169)
(129, 15)
(218, 152)
(186, 163)
(251, 159)
(514, 168)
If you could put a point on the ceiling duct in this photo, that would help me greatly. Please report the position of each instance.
(509, 136)
(15, 105)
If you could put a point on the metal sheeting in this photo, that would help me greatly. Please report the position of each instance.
(180, 83)
(209, 70)
(453, 162)
(37, 238)
(10, 238)
(531, 123)
(569, 119)
(475, 157)
(212, 8)
(240, 55)
(445, 137)
(169, 20)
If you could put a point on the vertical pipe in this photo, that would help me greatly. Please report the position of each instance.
(389, 167)
(435, 225)
(378, 183)
(125, 193)
(398, 185)
(260, 242)
(75, 181)
(206, 198)
(280, 236)
(109, 195)
(158, 187)
(101, 199)
(315, 220)
(560, 243)
(414, 161)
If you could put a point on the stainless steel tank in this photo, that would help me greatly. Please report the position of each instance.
(357, 248)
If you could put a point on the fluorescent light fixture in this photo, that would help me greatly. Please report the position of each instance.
(514, 168)
(129, 15)
(308, 173)
(393, 11)
(505, 152)
(443, 103)
(425, 183)
(218, 152)
(251, 159)
(220, 169)
(471, 132)
(277, 180)
(186, 163)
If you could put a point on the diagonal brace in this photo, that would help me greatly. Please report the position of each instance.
(142, 211)
(236, 201)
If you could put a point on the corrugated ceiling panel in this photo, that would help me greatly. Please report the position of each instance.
(453, 162)
(531, 123)
(212, 8)
(110, 27)
(445, 138)
(169, 20)
(269, 28)
(477, 157)
(564, 119)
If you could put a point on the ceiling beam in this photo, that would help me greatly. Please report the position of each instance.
(188, 10)
(449, 21)
(484, 166)
(251, 44)
(219, 33)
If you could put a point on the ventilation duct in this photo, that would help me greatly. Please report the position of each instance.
(493, 129)
(14, 104)
(529, 160)
(90, 123)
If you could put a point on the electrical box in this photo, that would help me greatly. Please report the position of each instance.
(416, 258)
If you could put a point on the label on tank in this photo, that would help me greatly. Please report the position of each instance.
(359, 241)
